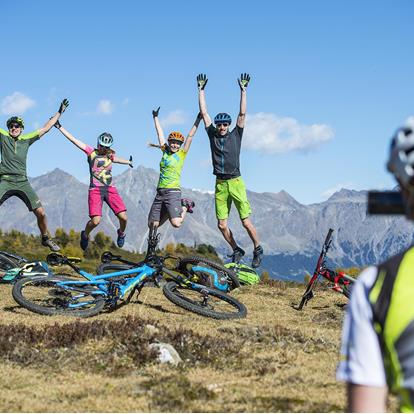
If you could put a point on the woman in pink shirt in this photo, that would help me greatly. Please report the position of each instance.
(100, 161)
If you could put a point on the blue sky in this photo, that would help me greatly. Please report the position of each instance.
(331, 81)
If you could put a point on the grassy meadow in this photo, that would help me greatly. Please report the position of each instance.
(277, 359)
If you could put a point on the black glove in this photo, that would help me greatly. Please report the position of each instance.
(64, 104)
(155, 113)
(244, 81)
(130, 160)
(201, 81)
(57, 124)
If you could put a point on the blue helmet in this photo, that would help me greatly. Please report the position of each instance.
(222, 118)
(105, 139)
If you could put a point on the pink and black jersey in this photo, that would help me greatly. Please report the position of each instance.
(100, 167)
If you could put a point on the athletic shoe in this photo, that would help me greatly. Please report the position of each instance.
(257, 256)
(84, 240)
(121, 239)
(48, 242)
(186, 202)
(237, 254)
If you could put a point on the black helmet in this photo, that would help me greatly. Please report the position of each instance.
(15, 119)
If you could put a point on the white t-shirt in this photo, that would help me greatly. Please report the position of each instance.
(361, 358)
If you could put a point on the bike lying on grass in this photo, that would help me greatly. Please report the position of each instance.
(338, 281)
(63, 294)
(197, 269)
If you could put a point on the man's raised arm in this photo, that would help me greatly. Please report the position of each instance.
(49, 124)
(243, 83)
(201, 84)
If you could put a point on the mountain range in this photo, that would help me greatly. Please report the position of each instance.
(291, 233)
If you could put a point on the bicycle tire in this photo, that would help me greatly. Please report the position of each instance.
(347, 288)
(186, 267)
(56, 302)
(194, 298)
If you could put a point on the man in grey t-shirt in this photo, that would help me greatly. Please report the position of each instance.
(225, 148)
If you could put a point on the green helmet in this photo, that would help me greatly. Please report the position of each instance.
(15, 119)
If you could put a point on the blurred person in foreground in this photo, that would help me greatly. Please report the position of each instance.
(378, 332)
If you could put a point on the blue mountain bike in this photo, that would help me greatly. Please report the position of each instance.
(58, 294)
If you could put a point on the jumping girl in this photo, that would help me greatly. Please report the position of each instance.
(168, 203)
(100, 161)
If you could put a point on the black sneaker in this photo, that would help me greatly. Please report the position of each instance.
(48, 242)
(121, 239)
(152, 244)
(257, 256)
(237, 254)
(84, 240)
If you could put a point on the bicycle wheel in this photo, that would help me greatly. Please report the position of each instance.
(193, 267)
(204, 301)
(41, 294)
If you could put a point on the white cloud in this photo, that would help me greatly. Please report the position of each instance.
(271, 134)
(331, 191)
(16, 103)
(202, 191)
(176, 117)
(410, 121)
(105, 107)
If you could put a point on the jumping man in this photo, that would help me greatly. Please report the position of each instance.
(225, 152)
(13, 171)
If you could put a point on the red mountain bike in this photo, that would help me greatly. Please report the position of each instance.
(338, 281)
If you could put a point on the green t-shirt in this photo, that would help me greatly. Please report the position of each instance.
(171, 166)
(14, 152)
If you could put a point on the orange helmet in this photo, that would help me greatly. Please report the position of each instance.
(176, 136)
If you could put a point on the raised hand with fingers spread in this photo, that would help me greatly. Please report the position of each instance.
(244, 81)
(201, 81)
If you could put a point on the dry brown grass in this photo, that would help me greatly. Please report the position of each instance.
(275, 360)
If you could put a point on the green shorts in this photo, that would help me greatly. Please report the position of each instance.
(19, 187)
(228, 191)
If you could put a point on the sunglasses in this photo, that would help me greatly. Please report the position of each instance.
(224, 125)
(173, 141)
(15, 126)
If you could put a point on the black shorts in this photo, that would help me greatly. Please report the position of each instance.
(167, 202)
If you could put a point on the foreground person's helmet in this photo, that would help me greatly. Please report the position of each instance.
(401, 163)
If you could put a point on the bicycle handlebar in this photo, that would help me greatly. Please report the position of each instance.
(328, 237)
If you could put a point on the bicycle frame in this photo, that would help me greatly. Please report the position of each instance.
(103, 282)
(114, 290)
(341, 281)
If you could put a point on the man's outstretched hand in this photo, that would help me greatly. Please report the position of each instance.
(64, 104)
(244, 81)
(201, 81)
(131, 162)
